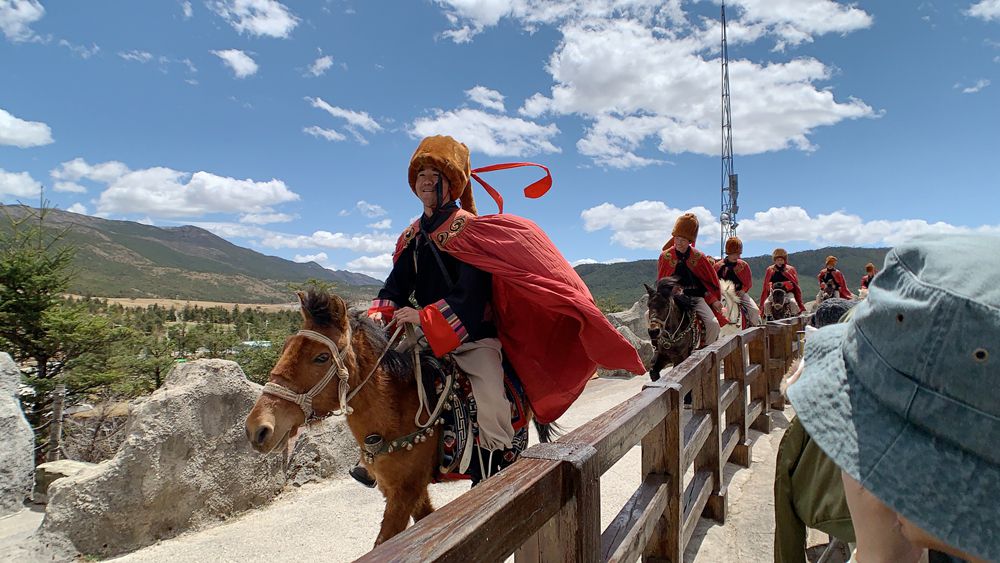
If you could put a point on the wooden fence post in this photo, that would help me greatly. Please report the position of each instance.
(662, 451)
(760, 388)
(735, 370)
(705, 397)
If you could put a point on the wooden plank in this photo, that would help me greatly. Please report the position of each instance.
(548, 544)
(695, 499)
(724, 346)
(690, 372)
(758, 350)
(730, 439)
(495, 517)
(661, 454)
(752, 373)
(705, 397)
(729, 390)
(755, 409)
(619, 429)
(626, 536)
(696, 433)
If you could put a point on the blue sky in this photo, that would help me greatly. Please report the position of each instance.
(287, 126)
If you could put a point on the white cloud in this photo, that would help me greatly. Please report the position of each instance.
(582, 261)
(164, 192)
(374, 266)
(319, 258)
(489, 99)
(644, 70)
(985, 9)
(81, 51)
(370, 209)
(328, 134)
(266, 218)
(644, 224)
(78, 168)
(18, 184)
(979, 85)
(69, 187)
(321, 65)
(381, 225)
(21, 133)
(188, 11)
(78, 208)
(647, 225)
(137, 56)
(257, 17)
(357, 121)
(16, 17)
(241, 63)
(358, 242)
(488, 133)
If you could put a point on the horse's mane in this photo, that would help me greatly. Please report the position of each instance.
(395, 364)
(317, 306)
(665, 287)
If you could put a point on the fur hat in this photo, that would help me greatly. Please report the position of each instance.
(686, 227)
(831, 261)
(451, 158)
(734, 245)
(779, 253)
(870, 268)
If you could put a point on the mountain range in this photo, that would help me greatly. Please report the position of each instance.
(128, 259)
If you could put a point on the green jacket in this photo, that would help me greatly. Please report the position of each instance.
(808, 491)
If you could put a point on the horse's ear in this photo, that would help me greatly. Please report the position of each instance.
(649, 290)
(302, 305)
(338, 308)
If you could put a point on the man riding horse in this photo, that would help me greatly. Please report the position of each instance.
(734, 269)
(867, 279)
(831, 280)
(494, 286)
(781, 274)
(696, 274)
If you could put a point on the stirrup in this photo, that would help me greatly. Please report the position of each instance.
(362, 476)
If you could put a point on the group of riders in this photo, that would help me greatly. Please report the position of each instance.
(493, 293)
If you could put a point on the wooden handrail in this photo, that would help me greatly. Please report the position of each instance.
(546, 506)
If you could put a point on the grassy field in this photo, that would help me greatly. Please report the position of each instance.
(142, 303)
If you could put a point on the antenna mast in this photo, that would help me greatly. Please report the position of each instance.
(730, 184)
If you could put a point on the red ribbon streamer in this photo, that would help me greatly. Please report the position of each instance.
(536, 190)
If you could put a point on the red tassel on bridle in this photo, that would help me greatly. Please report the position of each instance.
(535, 190)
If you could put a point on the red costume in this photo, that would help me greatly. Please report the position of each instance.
(741, 271)
(827, 276)
(788, 276)
(698, 264)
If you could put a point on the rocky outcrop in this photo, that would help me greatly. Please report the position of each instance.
(185, 463)
(644, 348)
(634, 318)
(17, 442)
(48, 472)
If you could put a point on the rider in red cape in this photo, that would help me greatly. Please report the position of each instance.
(830, 275)
(545, 317)
(784, 273)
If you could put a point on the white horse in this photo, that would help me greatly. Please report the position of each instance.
(731, 303)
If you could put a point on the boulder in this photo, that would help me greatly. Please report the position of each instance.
(17, 442)
(185, 463)
(644, 348)
(48, 472)
(633, 318)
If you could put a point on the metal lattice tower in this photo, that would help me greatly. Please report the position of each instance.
(730, 184)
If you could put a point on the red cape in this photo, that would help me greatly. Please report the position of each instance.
(551, 330)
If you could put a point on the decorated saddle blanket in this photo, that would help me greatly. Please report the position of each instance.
(458, 435)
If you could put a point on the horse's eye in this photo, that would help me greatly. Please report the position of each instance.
(322, 358)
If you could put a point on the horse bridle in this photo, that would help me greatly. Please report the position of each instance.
(676, 336)
(337, 368)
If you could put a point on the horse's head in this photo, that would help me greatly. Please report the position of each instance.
(322, 347)
(778, 295)
(666, 304)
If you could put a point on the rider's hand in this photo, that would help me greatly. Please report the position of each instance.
(408, 315)
(377, 318)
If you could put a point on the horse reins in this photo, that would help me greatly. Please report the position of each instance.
(304, 400)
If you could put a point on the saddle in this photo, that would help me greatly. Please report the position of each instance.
(458, 432)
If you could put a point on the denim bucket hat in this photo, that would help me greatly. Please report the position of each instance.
(905, 396)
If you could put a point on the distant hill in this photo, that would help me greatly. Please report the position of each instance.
(620, 285)
(128, 259)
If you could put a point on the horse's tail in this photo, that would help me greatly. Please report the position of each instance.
(548, 432)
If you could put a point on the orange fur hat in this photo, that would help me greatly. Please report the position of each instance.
(779, 253)
(686, 227)
(734, 245)
(831, 261)
(870, 268)
(451, 158)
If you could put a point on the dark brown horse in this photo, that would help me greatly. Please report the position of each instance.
(673, 325)
(324, 370)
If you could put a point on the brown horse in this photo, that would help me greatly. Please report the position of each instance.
(379, 397)
(673, 325)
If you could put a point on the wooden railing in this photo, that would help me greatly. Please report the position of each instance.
(547, 506)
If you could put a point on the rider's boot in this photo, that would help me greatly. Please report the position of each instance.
(361, 475)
